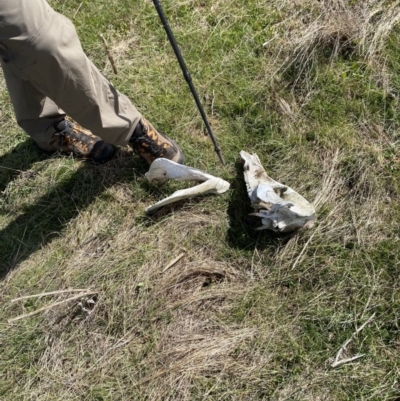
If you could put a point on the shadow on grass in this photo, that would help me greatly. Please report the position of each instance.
(18, 160)
(44, 220)
(241, 233)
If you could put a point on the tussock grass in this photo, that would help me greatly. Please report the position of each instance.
(313, 30)
(311, 87)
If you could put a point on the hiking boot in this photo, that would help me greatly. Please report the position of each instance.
(79, 141)
(151, 144)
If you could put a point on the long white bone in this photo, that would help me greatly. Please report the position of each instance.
(280, 207)
(162, 170)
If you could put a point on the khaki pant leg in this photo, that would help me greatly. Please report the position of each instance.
(35, 112)
(42, 48)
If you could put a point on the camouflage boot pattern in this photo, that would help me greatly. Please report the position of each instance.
(151, 144)
(79, 141)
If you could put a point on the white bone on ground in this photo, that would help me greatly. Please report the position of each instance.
(162, 170)
(213, 185)
(266, 194)
(287, 210)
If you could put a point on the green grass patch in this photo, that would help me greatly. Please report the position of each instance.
(242, 315)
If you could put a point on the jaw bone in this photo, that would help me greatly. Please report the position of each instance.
(280, 207)
(162, 170)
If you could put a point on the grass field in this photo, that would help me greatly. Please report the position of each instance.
(313, 88)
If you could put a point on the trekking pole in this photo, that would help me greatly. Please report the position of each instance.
(187, 76)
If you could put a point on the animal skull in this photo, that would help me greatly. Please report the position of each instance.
(280, 207)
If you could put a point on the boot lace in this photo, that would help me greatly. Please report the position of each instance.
(62, 134)
(152, 148)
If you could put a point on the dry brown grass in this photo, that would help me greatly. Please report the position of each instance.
(188, 339)
(311, 28)
(241, 316)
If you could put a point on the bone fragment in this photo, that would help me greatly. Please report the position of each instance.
(162, 170)
(214, 186)
(280, 208)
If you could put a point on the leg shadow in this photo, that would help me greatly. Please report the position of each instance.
(44, 220)
(18, 160)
